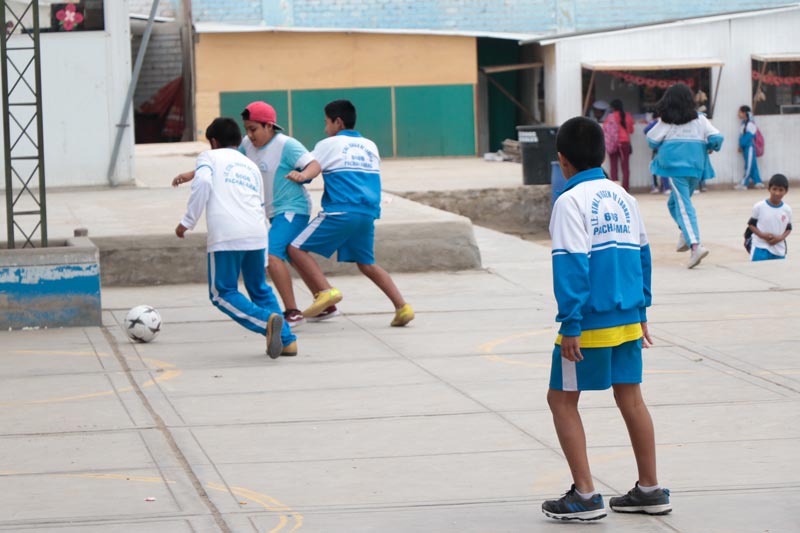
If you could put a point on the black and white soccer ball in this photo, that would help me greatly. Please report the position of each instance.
(142, 323)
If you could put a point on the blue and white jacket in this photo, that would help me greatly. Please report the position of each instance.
(351, 168)
(601, 256)
(683, 148)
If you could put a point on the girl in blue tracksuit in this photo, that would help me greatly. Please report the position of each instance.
(747, 146)
(683, 138)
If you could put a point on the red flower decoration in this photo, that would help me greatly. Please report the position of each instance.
(69, 17)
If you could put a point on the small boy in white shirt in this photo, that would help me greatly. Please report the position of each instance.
(770, 223)
(228, 186)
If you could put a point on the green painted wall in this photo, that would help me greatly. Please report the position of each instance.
(435, 120)
(431, 121)
(373, 114)
(232, 104)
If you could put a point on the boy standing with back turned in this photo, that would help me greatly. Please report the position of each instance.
(601, 279)
(351, 168)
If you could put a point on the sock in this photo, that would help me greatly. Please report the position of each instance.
(587, 496)
(648, 490)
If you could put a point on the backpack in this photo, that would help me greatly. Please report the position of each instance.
(759, 142)
(611, 135)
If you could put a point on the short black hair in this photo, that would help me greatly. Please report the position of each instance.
(779, 180)
(581, 141)
(226, 132)
(246, 116)
(677, 105)
(343, 109)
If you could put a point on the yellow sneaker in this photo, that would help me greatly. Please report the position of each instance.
(323, 300)
(403, 316)
(290, 349)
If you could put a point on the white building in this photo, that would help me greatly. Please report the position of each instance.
(723, 54)
(85, 78)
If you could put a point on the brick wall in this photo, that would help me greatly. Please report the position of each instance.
(162, 62)
(528, 16)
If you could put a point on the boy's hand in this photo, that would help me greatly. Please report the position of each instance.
(180, 230)
(182, 178)
(571, 348)
(647, 341)
(296, 176)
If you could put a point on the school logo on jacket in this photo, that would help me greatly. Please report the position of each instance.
(263, 167)
(610, 214)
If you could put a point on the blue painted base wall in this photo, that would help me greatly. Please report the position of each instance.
(48, 295)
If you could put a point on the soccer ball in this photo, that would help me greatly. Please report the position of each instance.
(142, 323)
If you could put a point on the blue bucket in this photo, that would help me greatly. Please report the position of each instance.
(557, 181)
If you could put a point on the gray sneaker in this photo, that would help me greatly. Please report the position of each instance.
(638, 501)
(274, 342)
(572, 507)
(698, 254)
(682, 244)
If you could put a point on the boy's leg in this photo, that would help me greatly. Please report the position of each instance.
(384, 281)
(571, 436)
(682, 210)
(309, 269)
(256, 285)
(640, 430)
(282, 280)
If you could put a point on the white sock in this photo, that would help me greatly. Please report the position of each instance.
(648, 490)
(587, 496)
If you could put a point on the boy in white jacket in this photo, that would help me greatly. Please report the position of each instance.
(601, 279)
(228, 186)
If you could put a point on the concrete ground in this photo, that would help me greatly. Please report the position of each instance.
(438, 427)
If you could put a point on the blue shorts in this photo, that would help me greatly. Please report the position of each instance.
(762, 254)
(351, 235)
(600, 368)
(284, 228)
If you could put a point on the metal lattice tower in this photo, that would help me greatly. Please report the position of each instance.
(20, 53)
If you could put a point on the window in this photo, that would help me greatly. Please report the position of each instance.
(639, 85)
(776, 84)
(55, 16)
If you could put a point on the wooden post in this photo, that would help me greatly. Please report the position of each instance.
(588, 94)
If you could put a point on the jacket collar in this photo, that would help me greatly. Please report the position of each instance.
(584, 176)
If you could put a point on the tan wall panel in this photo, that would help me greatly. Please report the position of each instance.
(292, 60)
(206, 110)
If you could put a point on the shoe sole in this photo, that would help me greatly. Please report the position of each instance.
(402, 322)
(645, 509)
(702, 256)
(316, 308)
(585, 516)
(321, 318)
(274, 342)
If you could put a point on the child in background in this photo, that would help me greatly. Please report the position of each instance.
(601, 279)
(351, 203)
(747, 146)
(623, 123)
(228, 187)
(771, 222)
(683, 138)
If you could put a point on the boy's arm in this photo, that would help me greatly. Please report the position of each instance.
(311, 171)
(183, 178)
(201, 190)
(570, 257)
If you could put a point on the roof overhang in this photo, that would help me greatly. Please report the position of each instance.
(652, 64)
(772, 58)
(216, 27)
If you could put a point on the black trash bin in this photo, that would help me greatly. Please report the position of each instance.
(538, 147)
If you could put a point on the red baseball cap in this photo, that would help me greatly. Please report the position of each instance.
(263, 112)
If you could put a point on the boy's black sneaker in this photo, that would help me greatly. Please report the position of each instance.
(572, 507)
(638, 501)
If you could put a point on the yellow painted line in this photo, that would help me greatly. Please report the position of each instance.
(491, 345)
(170, 372)
(267, 502)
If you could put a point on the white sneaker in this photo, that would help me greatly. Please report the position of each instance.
(698, 254)
(740, 187)
(759, 185)
(682, 246)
